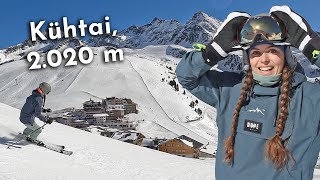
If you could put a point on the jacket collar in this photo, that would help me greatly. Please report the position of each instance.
(36, 93)
(298, 78)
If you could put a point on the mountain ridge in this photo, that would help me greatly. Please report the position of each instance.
(199, 29)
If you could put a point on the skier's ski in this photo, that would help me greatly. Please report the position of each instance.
(59, 150)
(52, 147)
(51, 144)
(12, 145)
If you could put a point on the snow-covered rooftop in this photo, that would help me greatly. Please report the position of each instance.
(100, 115)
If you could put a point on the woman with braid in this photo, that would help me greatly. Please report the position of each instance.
(268, 114)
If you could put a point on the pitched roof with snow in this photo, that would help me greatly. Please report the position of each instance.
(190, 142)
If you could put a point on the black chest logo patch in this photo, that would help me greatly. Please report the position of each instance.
(252, 126)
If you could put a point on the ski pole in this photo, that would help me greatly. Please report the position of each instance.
(24, 136)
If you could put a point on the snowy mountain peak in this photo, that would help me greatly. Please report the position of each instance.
(200, 28)
(200, 16)
(20, 50)
(156, 20)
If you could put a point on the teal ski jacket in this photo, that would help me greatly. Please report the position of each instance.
(32, 108)
(256, 122)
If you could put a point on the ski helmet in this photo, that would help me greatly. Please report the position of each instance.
(45, 87)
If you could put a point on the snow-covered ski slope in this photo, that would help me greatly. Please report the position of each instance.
(95, 157)
(163, 112)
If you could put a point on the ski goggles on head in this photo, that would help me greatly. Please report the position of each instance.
(259, 28)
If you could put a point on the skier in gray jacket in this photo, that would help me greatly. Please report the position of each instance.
(268, 114)
(33, 108)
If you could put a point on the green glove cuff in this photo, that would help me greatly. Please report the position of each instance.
(198, 47)
(315, 54)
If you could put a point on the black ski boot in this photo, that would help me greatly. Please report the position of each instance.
(29, 139)
(40, 143)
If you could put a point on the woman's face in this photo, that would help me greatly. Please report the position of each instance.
(266, 59)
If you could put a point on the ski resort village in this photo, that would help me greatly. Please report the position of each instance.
(128, 119)
(107, 118)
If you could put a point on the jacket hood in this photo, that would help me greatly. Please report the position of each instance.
(299, 76)
(36, 93)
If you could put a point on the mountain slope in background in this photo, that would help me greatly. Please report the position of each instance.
(162, 110)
